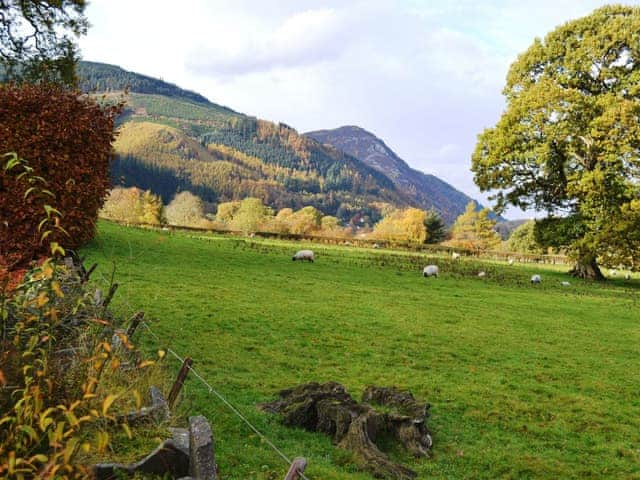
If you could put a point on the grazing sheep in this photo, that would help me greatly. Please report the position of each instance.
(455, 256)
(511, 261)
(565, 284)
(303, 255)
(536, 279)
(627, 276)
(430, 271)
(375, 245)
(482, 274)
(613, 273)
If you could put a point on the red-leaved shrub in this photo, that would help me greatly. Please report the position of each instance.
(66, 138)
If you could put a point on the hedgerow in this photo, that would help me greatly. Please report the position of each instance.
(65, 139)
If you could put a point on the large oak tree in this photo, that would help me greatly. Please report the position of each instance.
(568, 142)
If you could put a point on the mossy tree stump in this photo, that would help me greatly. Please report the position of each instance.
(329, 409)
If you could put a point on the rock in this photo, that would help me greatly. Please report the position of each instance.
(201, 449)
(189, 454)
(159, 403)
(169, 458)
(180, 437)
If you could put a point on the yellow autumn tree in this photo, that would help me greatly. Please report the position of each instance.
(187, 209)
(330, 227)
(152, 208)
(122, 205)
(132, 205)
(406, 225)
(226, 211)
(474, 229)
(251, 216)
(280, 223)
(305, 220)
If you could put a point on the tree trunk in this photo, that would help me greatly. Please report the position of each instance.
(587, 267)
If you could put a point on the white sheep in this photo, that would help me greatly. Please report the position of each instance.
(455, 256)
(565, 284)
(627, 276)
(482, 274)
(375, 245)
(511, 261)
(613, 273)
(536, 279)
(430, 271)
(303, 255)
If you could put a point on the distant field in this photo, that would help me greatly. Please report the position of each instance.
(525, 381)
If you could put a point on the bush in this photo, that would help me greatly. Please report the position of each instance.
(61, 385)
(66, 139)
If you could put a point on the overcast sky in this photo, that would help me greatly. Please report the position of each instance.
(425, 76)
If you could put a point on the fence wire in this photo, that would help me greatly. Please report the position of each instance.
(223, 399)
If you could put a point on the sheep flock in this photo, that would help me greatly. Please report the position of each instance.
(434, 271)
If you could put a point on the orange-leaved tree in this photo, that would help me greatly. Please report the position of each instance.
(65, 139)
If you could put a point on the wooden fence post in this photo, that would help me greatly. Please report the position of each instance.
(133, 323)
(110, 294)
(87, 273)
(297, 467)
(177, 385)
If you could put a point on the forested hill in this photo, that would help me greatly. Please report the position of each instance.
(102, 77)
(425, 191)
(172, 140)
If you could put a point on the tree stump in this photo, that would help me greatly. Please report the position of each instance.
(329, 409)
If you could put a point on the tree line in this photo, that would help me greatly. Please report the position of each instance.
(474, 229)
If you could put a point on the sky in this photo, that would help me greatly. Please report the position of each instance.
(424, 76)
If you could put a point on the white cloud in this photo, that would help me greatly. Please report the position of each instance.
(302, 39)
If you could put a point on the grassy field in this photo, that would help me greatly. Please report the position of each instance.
(524, 381)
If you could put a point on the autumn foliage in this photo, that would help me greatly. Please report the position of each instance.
(65, 138)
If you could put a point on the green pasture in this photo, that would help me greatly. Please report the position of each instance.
(525, 381)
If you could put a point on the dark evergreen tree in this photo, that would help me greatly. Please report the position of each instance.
(436, 229)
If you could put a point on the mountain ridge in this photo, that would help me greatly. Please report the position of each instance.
(426, 190)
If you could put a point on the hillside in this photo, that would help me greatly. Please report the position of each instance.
(101, 77)
(188, 142)
(172, 139)
(165, 159)
(423, 190)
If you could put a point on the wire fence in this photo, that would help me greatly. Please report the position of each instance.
(221, 397)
